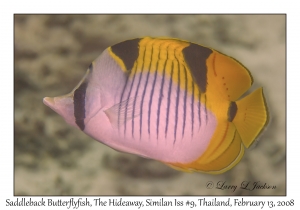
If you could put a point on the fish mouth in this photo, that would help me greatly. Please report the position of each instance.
(51, 103)
(48, 101)
(62, 105)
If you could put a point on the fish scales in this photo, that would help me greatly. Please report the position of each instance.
(150, 81)
(159, 128)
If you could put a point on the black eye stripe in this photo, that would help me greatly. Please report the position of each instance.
(79, 105)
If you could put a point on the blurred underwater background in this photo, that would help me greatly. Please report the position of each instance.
(52, 53)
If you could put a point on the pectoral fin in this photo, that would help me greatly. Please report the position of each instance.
(122, 112)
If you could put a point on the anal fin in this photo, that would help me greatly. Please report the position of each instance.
(226, 161)
(219, 142)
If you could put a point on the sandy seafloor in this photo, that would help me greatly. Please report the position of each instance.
(52, 53)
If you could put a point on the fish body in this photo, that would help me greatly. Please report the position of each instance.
(169, 100)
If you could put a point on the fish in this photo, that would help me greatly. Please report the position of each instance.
(169, 100)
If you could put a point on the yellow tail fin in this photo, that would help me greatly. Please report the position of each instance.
(251, 116)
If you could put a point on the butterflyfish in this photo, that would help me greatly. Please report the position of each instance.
(169, 100)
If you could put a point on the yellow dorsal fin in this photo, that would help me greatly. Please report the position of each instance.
(228, 77)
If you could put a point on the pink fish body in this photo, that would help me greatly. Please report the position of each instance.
(165, 99)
